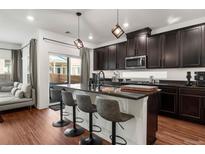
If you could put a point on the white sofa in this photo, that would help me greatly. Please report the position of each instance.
(9, 101)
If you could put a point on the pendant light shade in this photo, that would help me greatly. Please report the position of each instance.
(78, 43)
(117, 30)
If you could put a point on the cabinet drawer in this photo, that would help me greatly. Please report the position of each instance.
(172, 90)
(193, 92)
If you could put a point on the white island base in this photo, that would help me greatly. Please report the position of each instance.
(135, 130)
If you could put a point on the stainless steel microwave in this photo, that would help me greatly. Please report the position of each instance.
(136, 62)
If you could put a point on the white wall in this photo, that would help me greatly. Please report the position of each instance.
(43, 50)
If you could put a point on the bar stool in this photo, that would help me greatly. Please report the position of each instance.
(67, 98)
(55, 95)
(110, 110)
(84, 103)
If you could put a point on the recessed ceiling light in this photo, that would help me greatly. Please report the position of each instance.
(90, 37)
(125, 25)
(30, 18)
(172, 19)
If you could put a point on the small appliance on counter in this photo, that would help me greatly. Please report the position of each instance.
(200, 79)
(188, 76)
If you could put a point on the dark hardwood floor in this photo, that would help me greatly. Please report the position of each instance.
(173, 131)
(34, 127)
(26, 126)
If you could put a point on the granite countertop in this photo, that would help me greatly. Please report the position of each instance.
(115, 91)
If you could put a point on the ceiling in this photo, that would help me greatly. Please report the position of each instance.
(14, 26)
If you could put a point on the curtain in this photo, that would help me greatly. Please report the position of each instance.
(16, 60)
(33, 63)
(85, 65)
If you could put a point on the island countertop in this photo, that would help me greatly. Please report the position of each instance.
(113, 91)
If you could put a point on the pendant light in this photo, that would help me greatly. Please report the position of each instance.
(117, 30)
(78, 43)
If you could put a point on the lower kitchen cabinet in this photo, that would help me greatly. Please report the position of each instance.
(169, 100)
(183, 103)
(191, 104)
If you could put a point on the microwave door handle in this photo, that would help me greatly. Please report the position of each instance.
(140, 61)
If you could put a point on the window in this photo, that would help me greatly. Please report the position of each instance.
(63, 69)
(75, 65)
(5, 65)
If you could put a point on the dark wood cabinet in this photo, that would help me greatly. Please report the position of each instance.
(112, 57)
(154, 51)
(141, 44)
(191, 46)
(169, 100)
(170, 49)
(191, 104)
(131, 47)
(101, 58)
(121, 54)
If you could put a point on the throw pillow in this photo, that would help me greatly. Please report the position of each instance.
(26, 88)
(19, 94)
(20, 85)
(13, 91)
(16, 84)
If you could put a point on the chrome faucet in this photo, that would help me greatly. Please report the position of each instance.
(101, 81)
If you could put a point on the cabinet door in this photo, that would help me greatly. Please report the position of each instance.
(131, 47)
(141, 45)
(191, 47)
(154, 51)
(103, 58)
(121, 54)
(112, 57)
(191, 104)
(170, 50)
(169, 100)
(95, 59)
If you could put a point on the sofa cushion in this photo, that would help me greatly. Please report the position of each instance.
(13, 91)
(19, 93)
(26, 88)
(16, 84)
(5, 94)
(13, 100)
(6, 88)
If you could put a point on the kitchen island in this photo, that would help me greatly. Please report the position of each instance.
(140, 130)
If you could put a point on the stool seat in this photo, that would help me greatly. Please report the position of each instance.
(125, 117)
(110, 110)
(85, 104)
(67, 98)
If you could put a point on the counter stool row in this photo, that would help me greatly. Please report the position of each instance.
(106, 108)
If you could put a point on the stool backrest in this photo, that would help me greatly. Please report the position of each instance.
(108, 109)
(55, 95)
(67, 98)
(84, 103)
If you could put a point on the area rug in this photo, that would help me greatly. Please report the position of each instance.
(56, 107)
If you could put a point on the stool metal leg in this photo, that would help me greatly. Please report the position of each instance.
(61, 122)
(113, 133)
(75, 131)
(92, 139)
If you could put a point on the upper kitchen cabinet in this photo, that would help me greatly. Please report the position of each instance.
(121, 54)
(170, 49)
(112, 57)
(101, 58)
(154, 51)
(137, 42)
(191, 46)
(131, 47)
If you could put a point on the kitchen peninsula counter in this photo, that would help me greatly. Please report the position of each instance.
(140, 130)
